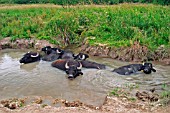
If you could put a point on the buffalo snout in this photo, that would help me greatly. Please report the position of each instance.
(71, 77)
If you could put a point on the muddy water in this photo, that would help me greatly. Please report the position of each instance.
(40, 79)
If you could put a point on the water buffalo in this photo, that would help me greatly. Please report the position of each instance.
(30, 57)
(90, 64)
(48, 50)
(56, 53)
(147, 68)
(67, 55)
(51, 54)
(81, 56)
(70, 66)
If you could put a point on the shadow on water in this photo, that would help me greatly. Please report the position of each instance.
(40, 79)
(29, 67)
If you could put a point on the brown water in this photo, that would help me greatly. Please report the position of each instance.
(40, 79)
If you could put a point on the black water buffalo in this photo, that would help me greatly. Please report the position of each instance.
(67, 55)
(30, 57)
(70, 66)
(73, 67)
(147, 68)
(48, 50)
(81, 56)
(90, 64)
(51, 54)
(56, 53)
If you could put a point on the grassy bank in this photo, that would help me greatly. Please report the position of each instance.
(117, 25)
(73, 2)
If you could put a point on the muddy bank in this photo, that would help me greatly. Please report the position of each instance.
(111, 104)
(24, 44)
(134, 53)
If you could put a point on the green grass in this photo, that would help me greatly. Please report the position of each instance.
(120, 92)
(165, 94)
(117, 25)
(73, 2)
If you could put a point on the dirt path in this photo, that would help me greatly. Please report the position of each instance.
(112, 105)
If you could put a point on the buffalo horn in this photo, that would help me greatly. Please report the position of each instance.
(83, 57)
(143, 63)
(79, 66)
(66, 65)
(58, 51)
(35, 55)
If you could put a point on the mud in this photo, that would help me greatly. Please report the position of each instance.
(112, 104)
(134, 53)
(24, 44)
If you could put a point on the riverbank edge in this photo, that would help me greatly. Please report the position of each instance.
(111, 104)
(134, 53)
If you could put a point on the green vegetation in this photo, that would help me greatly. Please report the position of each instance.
(73, 2)
(132, 86)
(44, 105)
(118, 25)
(165, 94)
(120, 92)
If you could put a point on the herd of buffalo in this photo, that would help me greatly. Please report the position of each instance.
(72, 64)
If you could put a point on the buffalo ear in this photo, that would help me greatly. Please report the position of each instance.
(87, 56)
(154, 70)
(80, 73)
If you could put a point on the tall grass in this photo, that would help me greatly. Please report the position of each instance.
(73, 2)
(118, 25)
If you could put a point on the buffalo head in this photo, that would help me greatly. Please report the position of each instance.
(81, 56)
(71, 67)
(148, 68)
(48, 50)
(73, 70)
(30, 57)
(51, 54)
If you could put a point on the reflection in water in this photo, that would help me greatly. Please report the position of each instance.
(41, 79)
(29, 67)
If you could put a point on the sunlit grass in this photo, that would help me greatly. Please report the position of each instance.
(112, 25)
(26, 6)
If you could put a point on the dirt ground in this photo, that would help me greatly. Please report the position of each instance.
(111, 105)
